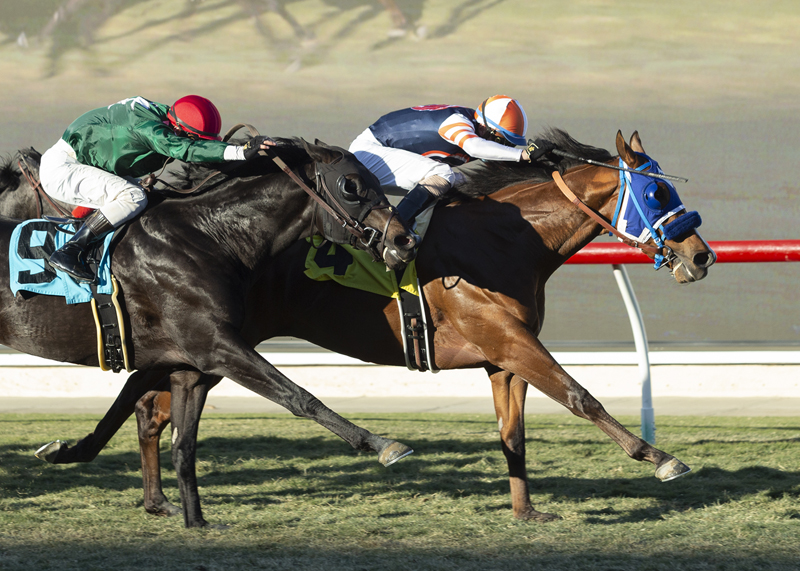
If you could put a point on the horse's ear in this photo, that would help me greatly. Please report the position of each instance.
(624, 150)
(636, 143)
(321, 143)
(320, 153)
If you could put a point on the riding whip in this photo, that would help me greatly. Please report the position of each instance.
(567, 155)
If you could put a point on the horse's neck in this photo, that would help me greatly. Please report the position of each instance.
(597, 187)
(562, 226)
(29, 200)
(257, 219)
(24, 203)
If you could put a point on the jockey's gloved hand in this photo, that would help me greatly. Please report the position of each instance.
(536, 149)
(252, 147)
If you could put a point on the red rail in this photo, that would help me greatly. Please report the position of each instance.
(738, 251)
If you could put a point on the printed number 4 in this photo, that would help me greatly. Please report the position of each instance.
(339, 260)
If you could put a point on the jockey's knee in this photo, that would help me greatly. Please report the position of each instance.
(125, 206)
(436, 185)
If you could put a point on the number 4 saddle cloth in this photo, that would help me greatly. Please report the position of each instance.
(354, 268)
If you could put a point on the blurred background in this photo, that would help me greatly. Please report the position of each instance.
(712, 87)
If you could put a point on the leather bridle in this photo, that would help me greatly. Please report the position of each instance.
(365, 234)
(666, 252)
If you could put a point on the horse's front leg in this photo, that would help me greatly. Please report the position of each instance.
(234, 359)
(152, 416)
(87, 448)
(508, 392)
(189, 393)
(515, 349)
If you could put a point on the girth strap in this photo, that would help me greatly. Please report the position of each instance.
(417, 342)
(112, 351)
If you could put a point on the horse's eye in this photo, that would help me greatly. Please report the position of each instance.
(348, 188)
(656, 196)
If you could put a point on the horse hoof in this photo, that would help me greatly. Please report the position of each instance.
(533, 515)
(672, 469)
(394, 452)
(216, 526)
(49, 451)
(164, 510)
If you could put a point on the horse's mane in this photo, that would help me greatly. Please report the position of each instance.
(291, 150)
(500, 174)
(9, 175)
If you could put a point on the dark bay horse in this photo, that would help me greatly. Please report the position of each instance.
(483, 265)
(186, 270)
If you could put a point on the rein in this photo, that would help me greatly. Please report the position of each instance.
(367, 235)
(36, 187)
(562, 186)
(567, 155)
(349, 223)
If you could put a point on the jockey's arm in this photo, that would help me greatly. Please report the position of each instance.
(164, 141)
(459, 130)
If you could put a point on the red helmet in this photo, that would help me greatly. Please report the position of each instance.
(196, 115)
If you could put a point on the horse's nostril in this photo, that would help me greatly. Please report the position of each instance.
(405, 242)
(703, 260)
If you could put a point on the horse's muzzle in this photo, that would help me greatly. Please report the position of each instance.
(399, 252)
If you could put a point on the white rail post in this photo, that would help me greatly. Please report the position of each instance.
(640, 340)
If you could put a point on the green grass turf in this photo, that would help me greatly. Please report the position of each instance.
(295, 496)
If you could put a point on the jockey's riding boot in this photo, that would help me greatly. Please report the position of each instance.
(71, 257)
(417, 200)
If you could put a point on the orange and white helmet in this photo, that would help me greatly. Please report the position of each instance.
(197, 116)
(505, 117)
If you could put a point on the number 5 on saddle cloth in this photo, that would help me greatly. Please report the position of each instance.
(32, 243)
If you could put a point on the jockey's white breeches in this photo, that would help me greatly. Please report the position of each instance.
(65, 179)
(396, 167)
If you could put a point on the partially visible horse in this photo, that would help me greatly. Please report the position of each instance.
(186, 270)
(483, 264)
(21, 196)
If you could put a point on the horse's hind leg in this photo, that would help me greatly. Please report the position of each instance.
(152, 416)
(509, 392)
(87, 449)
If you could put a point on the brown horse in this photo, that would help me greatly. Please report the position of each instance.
(483, 265)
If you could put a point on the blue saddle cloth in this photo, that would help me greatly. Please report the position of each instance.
(32, 243)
